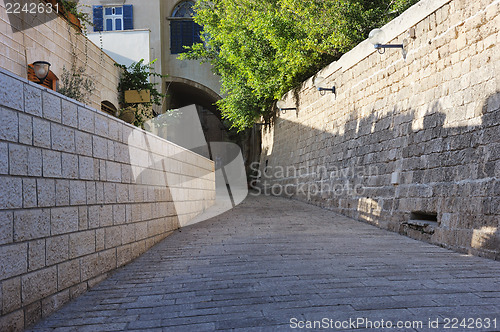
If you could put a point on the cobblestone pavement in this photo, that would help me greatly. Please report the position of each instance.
(272, 264)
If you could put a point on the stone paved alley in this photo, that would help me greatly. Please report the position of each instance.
(272, 264)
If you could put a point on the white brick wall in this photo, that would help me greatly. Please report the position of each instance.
(80, 194)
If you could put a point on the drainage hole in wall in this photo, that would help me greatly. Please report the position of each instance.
(421, 218)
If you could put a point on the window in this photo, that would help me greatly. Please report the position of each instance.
(113, 18)
(183, 30)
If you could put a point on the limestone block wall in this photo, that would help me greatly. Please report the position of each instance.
(403, 140)
(29, 37)
(81, 193)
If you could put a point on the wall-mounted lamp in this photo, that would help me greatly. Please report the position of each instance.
(377, 38)
(320, 84)
(41, 69)
(282, 106)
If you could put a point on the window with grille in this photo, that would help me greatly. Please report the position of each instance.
(183, 30)
(113, 18)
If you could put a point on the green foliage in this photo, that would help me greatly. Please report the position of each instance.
(76, 84)
(263, 48)
(136, 77)
(70, 6)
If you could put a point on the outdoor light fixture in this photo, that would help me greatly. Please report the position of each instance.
(41, 69)
(282, 106)
(319, 83)
(377, 38)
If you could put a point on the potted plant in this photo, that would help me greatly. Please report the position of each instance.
(137, 92)
(69, 10)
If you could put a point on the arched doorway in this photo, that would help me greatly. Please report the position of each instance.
(183, 92)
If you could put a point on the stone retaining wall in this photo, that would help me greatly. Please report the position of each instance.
(81, 193)
(409, 145)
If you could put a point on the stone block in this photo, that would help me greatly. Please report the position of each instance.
(32, 100)
(68, 274)
(11, 195)
(119, 214)
(127, 174)
(46, 192)
(54, 302)
(11, 94)
(13, 321)
(83, 143)
(81, 243)
(77, 290)
(9, 130)
(141, 230)
(6, 227)
(69, 164)
(107, 260)
(4, 158)
(14, 258)
(63, 220)
(109, 193)
(29, 193)
(62, 192)
(36, 255)
(122, 193)
(69, 113)
(18, 159)
(115, 130)
(100, 147)
(86, 168)
(25, 129)
(91, 192)
(31, 224)
(57, 249)
(93, 216)
(124, 254)
(101, 125)
(121, 153)
(38, 284)
(83, 223)
(105, 215)
(78, 193)
(86, 118)
(111, 150)
(113, 171)
(112, 237)
(51, 106)
(52, 164)
(89, 266)
(100, 166)
(11, 291)
(63, 138)
(128, 233)
(34, 161)
(41, 133)
(99, 239)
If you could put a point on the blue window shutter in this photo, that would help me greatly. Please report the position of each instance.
(128, 17)
(98, 18)
(175, 37)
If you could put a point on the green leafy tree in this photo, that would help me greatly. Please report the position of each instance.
(263, 48)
